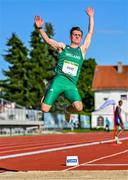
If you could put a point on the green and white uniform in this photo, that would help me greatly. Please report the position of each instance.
(70, 61)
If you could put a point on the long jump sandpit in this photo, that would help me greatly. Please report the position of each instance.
(68, 175)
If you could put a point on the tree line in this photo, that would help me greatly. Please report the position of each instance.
(31, 69)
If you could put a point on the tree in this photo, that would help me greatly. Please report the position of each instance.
(43, 59)
(29, 70)
(85, 84)
(15, 86)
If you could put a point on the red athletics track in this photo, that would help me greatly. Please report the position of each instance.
(95, 151)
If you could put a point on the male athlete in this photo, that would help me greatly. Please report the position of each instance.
(118, 121)
(68, 68)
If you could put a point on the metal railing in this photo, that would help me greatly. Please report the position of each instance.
(16, 118)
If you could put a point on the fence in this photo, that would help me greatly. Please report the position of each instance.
(16, 118)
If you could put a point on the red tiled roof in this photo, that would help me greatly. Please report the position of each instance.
(108, 78)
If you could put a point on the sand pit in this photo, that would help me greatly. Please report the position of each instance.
(69, 175)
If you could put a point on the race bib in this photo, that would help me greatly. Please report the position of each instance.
(70, 68)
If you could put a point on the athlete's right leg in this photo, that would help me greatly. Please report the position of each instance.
(52, 93)
(45, 107)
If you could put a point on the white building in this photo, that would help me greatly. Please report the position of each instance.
(109, 82)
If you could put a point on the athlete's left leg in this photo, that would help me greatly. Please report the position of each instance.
(76, 106)
(122, 129)
(119, 132)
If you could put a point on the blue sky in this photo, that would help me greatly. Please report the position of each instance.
(110, 40)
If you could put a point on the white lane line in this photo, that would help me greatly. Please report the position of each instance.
(98, 159)
(105, 165)
(57, 149)
(10, 146)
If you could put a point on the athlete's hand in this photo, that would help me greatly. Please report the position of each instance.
(90, 11)
(38, 21)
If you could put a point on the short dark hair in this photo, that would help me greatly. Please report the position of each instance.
(120, 102)
(76, 28)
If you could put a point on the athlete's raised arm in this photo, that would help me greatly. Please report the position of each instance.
(39, 23)
(88, 38)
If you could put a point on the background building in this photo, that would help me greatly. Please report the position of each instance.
(110, 83)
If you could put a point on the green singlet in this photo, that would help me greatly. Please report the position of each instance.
(67, 74)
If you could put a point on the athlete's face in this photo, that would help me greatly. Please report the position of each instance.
(76, 37)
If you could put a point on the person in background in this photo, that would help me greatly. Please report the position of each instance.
(107, 126)
(118, 122)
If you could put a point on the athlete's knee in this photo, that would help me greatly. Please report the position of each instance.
(45, 107)
(78, 106)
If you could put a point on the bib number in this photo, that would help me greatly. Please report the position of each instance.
(70, 68)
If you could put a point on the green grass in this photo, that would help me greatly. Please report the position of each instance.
(83, 130)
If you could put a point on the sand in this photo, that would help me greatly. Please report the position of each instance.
(68, 175)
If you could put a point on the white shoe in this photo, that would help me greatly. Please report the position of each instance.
(116, 138)
(118, 142)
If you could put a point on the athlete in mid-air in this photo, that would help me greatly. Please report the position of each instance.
(70, 59)
(118, 122)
